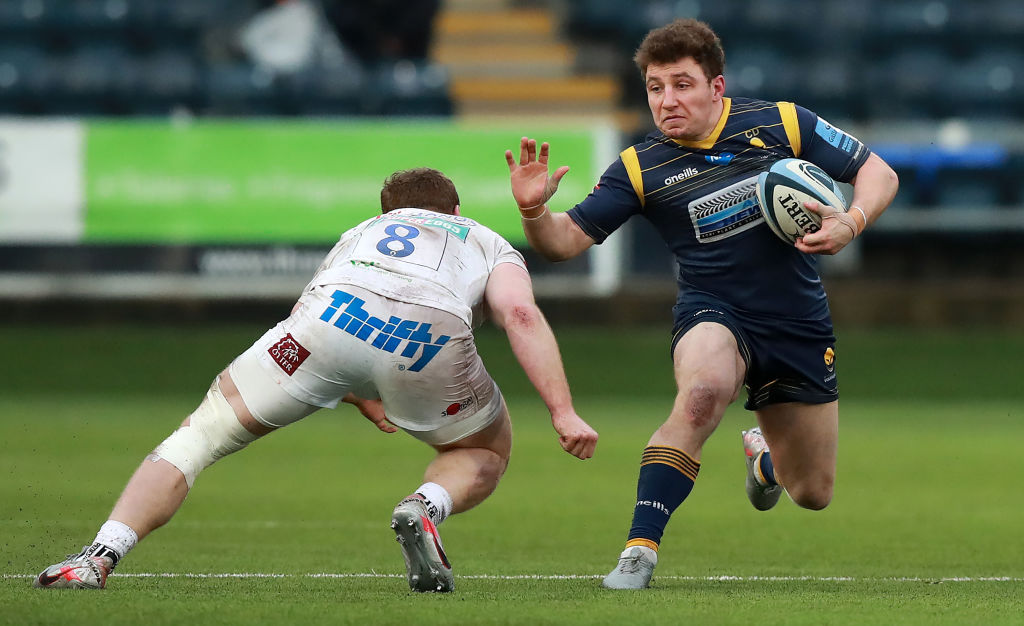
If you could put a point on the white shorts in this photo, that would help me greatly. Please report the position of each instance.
(420, 361)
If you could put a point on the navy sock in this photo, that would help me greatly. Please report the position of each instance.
(666, 479)
(767, 468)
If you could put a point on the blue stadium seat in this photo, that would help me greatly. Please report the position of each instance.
(989, 84)
(17, 63)
(909, 84)
(168, 79)
(409, 88)
(759, 71)
(328, 90)
(240, 89)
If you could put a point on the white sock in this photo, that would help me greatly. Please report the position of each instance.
(117, 536)
(439, 501)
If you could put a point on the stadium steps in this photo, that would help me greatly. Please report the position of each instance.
(506, 61)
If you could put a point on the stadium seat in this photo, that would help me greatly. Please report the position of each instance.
(168, 80)
(969, 187)
(240, 89)
(913, 81)
(326, 90)
(988, 84)
(17, 63)
(408, 88)
(762, 72)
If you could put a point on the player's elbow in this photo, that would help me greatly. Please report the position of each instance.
(521, 318)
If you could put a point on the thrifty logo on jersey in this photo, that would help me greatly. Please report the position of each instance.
(459, 230)
(346, 312)
(681, 176)
(288, 354)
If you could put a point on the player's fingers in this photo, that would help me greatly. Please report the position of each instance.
(524, 152)
(511, 160)
(544, 148)
(531, 149)
(814, 206)
(559, 173)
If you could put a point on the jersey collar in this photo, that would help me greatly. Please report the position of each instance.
(710, 140)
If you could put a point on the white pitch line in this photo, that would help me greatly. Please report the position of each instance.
(898, 579)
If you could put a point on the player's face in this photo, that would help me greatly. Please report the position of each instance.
(685, 103)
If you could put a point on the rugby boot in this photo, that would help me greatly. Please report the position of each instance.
(763, 497)
(426, 564)
(76, 572)
(634, 570)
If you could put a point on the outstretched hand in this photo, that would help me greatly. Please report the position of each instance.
(531, 185)
(838, 228)
(372, 410)
(574, 435)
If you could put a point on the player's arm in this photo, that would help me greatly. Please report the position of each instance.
(554, 235)
(509, 299)
(874, 186)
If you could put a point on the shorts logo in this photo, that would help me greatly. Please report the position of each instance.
(347, 313)
(830, 358)
(455, 407)
(288, 353)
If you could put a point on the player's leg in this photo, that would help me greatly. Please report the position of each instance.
(803, 442)
(794, 392)
(221, 425)
(462, 475)
(709, 372)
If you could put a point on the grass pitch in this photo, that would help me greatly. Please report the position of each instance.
(924, 527)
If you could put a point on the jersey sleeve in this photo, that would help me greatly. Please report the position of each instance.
(613, 201)
(832, 149)
(505, 253)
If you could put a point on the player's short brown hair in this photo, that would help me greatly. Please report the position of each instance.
(419, 188)
(684, 37)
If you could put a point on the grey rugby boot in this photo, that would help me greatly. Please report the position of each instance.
(76, 572)
(634, 570)
(426, 564)
(763, 497)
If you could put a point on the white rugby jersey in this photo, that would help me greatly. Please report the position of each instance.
(419, 256)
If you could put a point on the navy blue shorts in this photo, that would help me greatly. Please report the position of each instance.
(787, 360)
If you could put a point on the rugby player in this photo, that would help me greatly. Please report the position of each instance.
(751, 310)
(385, 324)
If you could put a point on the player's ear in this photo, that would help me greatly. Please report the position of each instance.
(718, 87)
(456, 211)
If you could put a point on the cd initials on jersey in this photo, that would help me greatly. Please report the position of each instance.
(726, 212)
(347, 313)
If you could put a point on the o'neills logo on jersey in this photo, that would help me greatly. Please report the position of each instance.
(288, 353)
(681, 176)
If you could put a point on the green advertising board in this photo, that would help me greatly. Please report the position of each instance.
(298, 181)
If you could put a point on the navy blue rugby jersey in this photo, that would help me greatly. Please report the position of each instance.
(700, 196)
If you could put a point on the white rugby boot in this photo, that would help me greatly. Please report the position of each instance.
(763, 497)
(426, 564)
(634, 570)
(76, 572)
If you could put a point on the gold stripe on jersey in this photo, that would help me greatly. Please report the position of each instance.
(636, 175)
(789, 121)
(673, 457)
(712, 139)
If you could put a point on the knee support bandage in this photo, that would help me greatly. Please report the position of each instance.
(213, 432)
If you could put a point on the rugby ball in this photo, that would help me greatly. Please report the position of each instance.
(782, 191)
